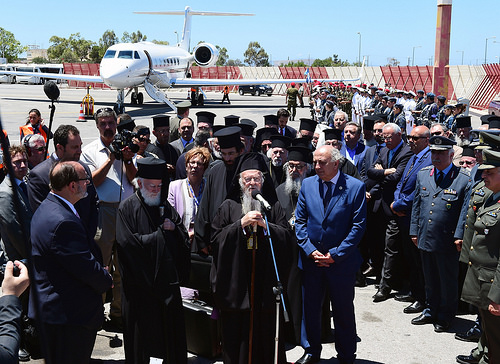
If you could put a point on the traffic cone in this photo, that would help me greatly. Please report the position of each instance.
(82, 116)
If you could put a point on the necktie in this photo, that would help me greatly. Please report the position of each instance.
(327, 193)
(23, 187)
(414, 158)
(282, 131)
(439, 177)
(389, 158)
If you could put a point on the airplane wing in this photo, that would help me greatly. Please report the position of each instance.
(57, 76)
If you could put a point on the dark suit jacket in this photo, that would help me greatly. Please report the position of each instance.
(13, 238)
(337, 230)
(67, 268)
(10, 329)
(371, 156)
(38, 189)
(383, 191)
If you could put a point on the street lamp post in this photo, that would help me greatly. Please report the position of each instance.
(177, 34)
(359, 49)
(413, 56)
(486, 48)
(462, 56)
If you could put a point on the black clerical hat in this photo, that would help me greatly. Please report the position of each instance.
(151, 168)
(302, 142)
(468, 152)
(463, 122)
(247, 126)
(280, 141)
(161, 120)
(368, 123)
(270, 119)
(229, 137)
(300, 154)
(333, 134)
(307, 124)
(205, 117)
(216, 128)
(231, 120)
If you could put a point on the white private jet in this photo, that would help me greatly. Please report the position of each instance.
(156, 67)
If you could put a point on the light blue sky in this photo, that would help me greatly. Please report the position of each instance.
(285, 29)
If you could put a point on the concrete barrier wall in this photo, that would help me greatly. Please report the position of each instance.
(480, 84)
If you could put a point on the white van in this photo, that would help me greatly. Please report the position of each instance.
(7, 78)
(31, 79)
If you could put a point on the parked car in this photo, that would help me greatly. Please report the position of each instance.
(494, 107)
(7, 78)
(255, 90)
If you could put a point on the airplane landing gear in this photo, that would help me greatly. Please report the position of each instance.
(120, 102)
(137, 98)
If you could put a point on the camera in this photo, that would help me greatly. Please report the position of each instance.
(122, 140)
(16, 270)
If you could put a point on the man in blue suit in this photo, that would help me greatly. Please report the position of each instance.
(67, 269)
(418, 141)
(330, 222)
(353, 149)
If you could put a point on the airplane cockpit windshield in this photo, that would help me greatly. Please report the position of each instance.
(109, 54)
(128, 55)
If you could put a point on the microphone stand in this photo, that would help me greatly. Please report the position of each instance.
(252, 294)
(278, 292)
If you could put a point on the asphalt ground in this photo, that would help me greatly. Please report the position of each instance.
(385, 332)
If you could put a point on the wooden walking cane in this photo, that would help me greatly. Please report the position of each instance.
(252, 293)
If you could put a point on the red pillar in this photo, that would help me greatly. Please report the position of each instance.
(441, 71)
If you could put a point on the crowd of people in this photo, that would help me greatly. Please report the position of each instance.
(400, 191)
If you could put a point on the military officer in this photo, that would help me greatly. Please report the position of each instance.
(182, 112)
(482, 283)
(440, 193)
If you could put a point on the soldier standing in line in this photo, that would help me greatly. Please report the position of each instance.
(291, 98)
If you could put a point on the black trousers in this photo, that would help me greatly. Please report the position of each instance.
(491, 327)
(393, 257)
(413, 262)
(69, 343)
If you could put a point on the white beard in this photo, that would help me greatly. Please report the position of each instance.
(249, 204)
(277, 162)
(150, 199)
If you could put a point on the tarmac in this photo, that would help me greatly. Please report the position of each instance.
(385, 332)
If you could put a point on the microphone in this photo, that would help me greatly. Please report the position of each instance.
(257, 195)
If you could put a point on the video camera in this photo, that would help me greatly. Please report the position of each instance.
(121, 140)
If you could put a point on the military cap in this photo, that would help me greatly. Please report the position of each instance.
(459, 104)
(331, 96)
(300, 154)
(494, 123)
(448, 106)
(373, 88)
(229, 137)
(420, 92)
(231, 120)
(307, 124)
(205, 117)
(161, 120)
(292, 84)
(333, 134)
(247, 126)
(431, 95)
(399, 106)
(381, 93)
(441, 98)
(393, 99)
(314, 94)
(182, 106)
(271, 119)
(280, 141)
(329, 103)
(488, 140)
(463, 122)
(439, 142)
(386, 98)
(485, 119)
(151, 168)
(412, 93)
(491, 159)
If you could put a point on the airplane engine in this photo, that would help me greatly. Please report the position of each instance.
(205, 54)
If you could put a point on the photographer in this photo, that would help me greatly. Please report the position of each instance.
(112, 163)
(10, 311)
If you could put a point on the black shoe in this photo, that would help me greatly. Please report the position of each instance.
(360, 280)
(472, 335)
(369, 272)
(441, 326)
(422, 320)
(23, 355)
(415, 307)
(467, 359)
(381, 295)
(404, 298)
(306, 359)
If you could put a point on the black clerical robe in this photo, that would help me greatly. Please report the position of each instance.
(153, 263)
(231, 279)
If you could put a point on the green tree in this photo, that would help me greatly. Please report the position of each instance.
(135, 37)
(295, 64)
(59, 46)
(255, 55)
(108, 39)
(40, 60)
(392, 62)
(223, 57)
(234, 62)
(72, 49)
(327, 62)
(80, 46)
(95, 54)
(10, 47)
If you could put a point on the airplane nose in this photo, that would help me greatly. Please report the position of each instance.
(121, 75)
(114, 75)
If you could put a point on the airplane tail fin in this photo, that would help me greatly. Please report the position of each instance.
(185, 42)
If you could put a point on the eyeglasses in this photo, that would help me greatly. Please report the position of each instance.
(415, 137)
(387, 137)
(298, 167)
(250, 179)
(40, 149)
(86, 179)
(102, 111)
(144, 139)
(339, 119)
(377, 130)
(466, 162)
(437, 133)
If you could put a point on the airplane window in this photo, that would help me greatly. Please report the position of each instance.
(136, 55)
(110, 54)
(125, 54)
